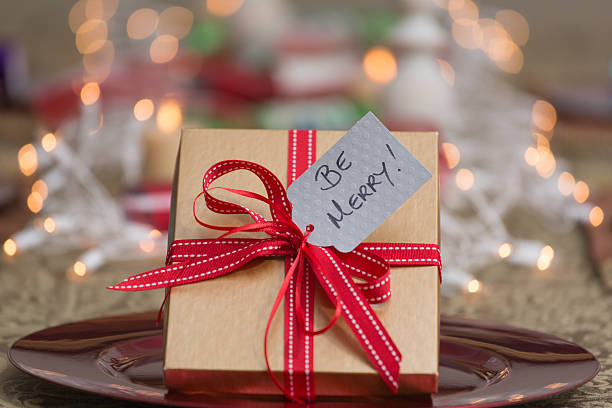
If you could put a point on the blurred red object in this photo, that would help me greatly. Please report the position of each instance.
(149, 204)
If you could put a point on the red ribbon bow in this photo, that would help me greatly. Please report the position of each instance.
(192, 261)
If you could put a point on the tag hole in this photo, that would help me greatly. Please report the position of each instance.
(310, 228)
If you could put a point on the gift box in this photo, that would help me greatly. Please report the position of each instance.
(214, 329)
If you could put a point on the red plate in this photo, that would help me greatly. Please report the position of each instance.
(482, 364)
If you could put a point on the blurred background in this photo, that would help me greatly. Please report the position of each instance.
(93, 95)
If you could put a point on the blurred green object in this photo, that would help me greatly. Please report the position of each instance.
(206, 37)
(376, 26)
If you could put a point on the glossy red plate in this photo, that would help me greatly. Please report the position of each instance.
(482, 364)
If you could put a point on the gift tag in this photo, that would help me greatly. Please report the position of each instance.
(355, 185)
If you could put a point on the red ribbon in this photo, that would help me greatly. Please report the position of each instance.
(195, 260)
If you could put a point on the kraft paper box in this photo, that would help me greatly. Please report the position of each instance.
(214, 329)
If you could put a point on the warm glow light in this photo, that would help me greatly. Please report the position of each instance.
(452, 155)
(143, 109)
(468, 36)
(223, 8)
(76, 15)
(175, 21)
(504, 250)
(41, 188)
(464, 179)
(566, 183)
(163, 48)
(90, 92)
(98, 64)
(531, 156)
(49, 225)
(379, 65)
(28, 159)
(35, 202)
(102, 9)
(544, 115)
(542, 141)
(79, 268)
(474, 286)
(545, 259)
(507, 56)
(10, 247)
(447, 72)
(581, 192)
(142, 23)
(91, 36)
(596, 216)
(515, 24)
(169, 116)
(48, 142)
(147, 245)
(463, 11)
(546, 163)
(155, 233)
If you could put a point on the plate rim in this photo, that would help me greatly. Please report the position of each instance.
(163, 401)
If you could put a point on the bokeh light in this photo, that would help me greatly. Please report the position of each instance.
(175, 21)
(447, 72)
(79, 268)
(463, 11)
(147, 245)
(467, 35)
(223, 8)
(379, 65)
(10, 247)
(27, 159)
(474, 286)
(566, 183)
(142, 23)
(581, 192)
(98, 64)
(169, 116)
(515, 24)
(504, 250)
(49, 225)
(596, 216)
(143, 109)
(163, 48)
(102, 9)
(464, 179)
(545, 259)
(544, 115)
(35, 202)
(546, 163)
(91, 36)
(41, 188)
(48, 142)
(90, 92)
(452, 155)
(531, 156)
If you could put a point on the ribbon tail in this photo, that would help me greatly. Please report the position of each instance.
(279, 297)
(365, 325)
